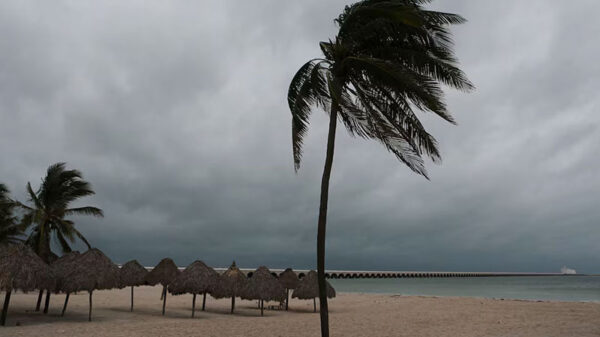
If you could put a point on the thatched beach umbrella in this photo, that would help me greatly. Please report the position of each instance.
(133, 274)
(231, 284)
(309, 289)
(289, 280)
(263, 286)
(21, 268)
(197, 278)
(61, 270)
(164, 273)
(90, 271)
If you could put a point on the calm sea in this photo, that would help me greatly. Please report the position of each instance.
(552, 288)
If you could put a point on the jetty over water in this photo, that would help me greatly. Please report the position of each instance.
(345, 274)
(357, 274)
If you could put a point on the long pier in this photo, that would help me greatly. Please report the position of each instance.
(346, 274)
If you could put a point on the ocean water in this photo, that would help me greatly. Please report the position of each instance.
(548, 288)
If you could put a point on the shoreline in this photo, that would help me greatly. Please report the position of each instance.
(467, 297)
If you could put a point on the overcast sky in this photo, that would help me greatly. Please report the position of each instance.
(176, 113)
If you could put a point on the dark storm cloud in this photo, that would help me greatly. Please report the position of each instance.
(176, 112)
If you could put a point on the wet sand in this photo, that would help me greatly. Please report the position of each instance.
(350, 315)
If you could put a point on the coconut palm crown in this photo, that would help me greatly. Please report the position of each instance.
(389, 59)
(50, 207)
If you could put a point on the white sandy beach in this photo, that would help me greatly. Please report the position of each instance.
(351, 315)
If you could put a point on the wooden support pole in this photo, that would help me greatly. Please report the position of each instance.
(164, 297)
(5, 308)
(193, 305)
(65, 305)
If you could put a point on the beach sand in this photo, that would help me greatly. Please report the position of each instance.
(350, 315)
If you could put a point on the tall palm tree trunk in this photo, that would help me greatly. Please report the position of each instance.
(65, 305)
(5, 308)
(39, 301)
(324, 312)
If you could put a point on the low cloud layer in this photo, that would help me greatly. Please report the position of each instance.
(176, 113)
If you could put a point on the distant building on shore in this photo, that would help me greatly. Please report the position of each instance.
(567, 271)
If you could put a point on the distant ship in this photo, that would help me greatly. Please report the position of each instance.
(567, 271)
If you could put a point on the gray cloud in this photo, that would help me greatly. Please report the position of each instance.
(176, 113)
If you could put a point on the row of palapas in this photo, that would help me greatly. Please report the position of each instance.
(21, 269)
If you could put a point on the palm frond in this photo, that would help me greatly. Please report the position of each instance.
(64, 245)
(307, 89)
(82, 238)
(389, 59)
(87, 210)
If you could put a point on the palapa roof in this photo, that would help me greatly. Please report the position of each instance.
(263, 286)
(61, 267)
(52, 257)
(21, 268)
(196, 278)
(164, 273)
(309, 287)
(89, 271)
(231, 283)
(133, 273)
(289, 279)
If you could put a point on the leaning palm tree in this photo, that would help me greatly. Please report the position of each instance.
(387, 61)
(10, 230)
(50, 205)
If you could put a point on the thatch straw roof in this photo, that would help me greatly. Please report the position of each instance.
(52, 257)
(21, 268)
(90, 271)
(164, 273)
(133, 273)
(263, 286)
(289, 279)
(197, 278)
(61, 267)
(231, 283)
(309, 287)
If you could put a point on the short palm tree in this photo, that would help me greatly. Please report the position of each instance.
(388, 60)
(10, 230)
(50, 204)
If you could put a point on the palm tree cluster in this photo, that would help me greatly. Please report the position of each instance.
(44, 219)
(389, 59)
